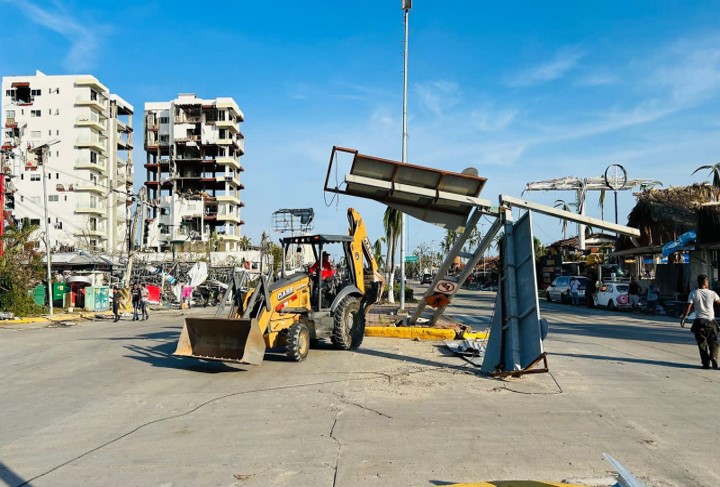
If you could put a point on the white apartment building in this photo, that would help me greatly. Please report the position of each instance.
(193, 148)
(89, 166)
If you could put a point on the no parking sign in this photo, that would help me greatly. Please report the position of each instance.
(445, 287)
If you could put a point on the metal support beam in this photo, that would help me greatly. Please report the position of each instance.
(454, 252)
(568, 215)
(472, 262)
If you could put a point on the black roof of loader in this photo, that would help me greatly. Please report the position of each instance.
(316, 239)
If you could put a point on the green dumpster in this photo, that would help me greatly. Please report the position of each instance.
(59, 290)
(102, 298)
(38, 295)
(89, 298)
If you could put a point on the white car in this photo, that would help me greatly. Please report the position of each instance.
(613, 295)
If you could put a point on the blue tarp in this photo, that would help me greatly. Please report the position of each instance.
(683, 240)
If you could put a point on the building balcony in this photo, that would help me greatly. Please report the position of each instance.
(96, 124)
(99, 232)
(10, 123)
(123, 127)
(91, 82)
(228, 124)
(89, 188)
(228, 161)
(88, 210)
(88, 143)
(181, 119)
(90, 166)
(229, 217)
(124, 145)
(98, 104)
(234, 238)
(229, 199)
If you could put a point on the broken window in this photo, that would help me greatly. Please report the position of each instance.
(22, 94)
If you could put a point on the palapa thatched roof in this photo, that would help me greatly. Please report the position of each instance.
(662, 215)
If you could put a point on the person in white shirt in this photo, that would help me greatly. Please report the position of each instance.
(705, 328)
(574, 290)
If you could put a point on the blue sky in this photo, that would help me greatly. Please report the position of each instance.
(523, 91)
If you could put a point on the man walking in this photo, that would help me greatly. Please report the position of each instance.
(144, 294)
(634, 293)
(136, 295)
(116, 303)
(705, 328)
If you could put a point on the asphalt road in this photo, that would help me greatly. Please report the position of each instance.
(102, 403)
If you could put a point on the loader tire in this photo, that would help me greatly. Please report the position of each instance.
(297, 342)
(348, 323)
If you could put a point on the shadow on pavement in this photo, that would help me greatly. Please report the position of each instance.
(172, 334)
(648, 332)
(11, 478)
(161, 356)
(413, 360)
(605, 358)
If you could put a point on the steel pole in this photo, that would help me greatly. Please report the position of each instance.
(404, 160)
(43, 157)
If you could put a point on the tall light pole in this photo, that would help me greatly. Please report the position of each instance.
(42, 151)
(406, 5)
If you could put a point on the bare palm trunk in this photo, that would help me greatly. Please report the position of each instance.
(389, 260)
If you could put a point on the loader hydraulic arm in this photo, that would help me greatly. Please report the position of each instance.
(365, 268)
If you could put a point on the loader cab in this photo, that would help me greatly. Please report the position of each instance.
(326, 289)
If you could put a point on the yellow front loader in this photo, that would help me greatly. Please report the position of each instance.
(296, 308)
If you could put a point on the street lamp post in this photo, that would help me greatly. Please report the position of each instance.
(406, 5)
(42, 152)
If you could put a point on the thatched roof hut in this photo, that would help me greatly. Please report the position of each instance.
(662, 215)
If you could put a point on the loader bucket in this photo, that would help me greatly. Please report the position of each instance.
(223, 339)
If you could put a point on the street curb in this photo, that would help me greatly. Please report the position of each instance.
(515, 483)
(418, 333)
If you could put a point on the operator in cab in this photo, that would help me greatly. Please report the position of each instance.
(327, 268)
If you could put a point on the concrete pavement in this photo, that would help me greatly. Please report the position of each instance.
(102, 403)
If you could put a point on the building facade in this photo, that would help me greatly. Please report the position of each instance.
(88, 161)
(193, 168)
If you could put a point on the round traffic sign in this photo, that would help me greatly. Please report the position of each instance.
(615, 177)
(446, 287)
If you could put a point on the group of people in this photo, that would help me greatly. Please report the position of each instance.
(652, 296)
(139, 294)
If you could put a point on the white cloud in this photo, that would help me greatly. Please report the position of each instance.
(437, 96)
(562, 63)
(489, 120)
(690, 70)
(84, 41)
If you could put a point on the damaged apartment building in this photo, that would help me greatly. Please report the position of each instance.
(193, 168)
(89, 167)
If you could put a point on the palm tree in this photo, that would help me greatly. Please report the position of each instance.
(601, 204)
(245, 243)
(392, 221)
(450, 237)
(564, 206)
(714, 172)
(378, 252)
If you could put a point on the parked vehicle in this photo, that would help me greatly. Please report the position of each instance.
(613, 295)
(426, 279)
(559, 289)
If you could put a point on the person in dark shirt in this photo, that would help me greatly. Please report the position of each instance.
(634, 293)
(136, 295)
(116, 303)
